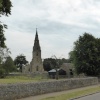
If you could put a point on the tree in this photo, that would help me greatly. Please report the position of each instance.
(5, 9)
(20, 61)
(2, 72)
(8, 65)
(4, 53)
(49, 63)
(86, 55)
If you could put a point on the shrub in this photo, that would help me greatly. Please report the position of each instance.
(2, 73)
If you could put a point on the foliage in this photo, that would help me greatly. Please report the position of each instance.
(4, 53)
(63, 60)
(20, 61)
(8, 65)
(51, 63)
(2, 72)
(86, 55)
(5, 9)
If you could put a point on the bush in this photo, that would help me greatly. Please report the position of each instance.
(2, 73)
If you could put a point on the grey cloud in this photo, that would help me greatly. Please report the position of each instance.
(52, 27)
(29, 14)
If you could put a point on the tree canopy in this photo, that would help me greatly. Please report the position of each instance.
(51, 63)
(86, 55)
(20, 61)
(8, 65)
(5, 9)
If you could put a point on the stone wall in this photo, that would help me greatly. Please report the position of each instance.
(20, 90)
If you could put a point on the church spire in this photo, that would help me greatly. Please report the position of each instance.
(36, 36)
(36, 42)
(36, 32)
(36, 64)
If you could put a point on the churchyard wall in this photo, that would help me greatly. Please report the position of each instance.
(20, 90)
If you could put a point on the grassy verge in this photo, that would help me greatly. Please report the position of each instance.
(74, 94)
(21, 79)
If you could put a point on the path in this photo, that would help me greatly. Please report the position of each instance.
(39, 97)
(90, 97)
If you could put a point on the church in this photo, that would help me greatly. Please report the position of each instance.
(36, 65)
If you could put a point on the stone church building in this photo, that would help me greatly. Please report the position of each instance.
(36, 64)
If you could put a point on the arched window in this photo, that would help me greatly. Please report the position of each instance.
(37, 68)
(36, 54)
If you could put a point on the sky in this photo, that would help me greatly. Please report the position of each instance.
(59, 24)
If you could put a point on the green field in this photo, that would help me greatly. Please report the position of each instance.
(74, 94)
(20, 79)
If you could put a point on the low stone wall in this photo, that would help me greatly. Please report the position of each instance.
(15, 91)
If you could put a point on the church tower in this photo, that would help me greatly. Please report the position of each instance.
(36, 63)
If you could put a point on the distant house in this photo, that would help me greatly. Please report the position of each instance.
(68, 68)
(52, 73)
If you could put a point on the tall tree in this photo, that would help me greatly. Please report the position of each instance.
(20, 61)
(86, 55)
(5, 9)
(49, 63)
(8, 65)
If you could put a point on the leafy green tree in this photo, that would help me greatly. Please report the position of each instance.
(20, 61)
(8, 65)
(86, 55)
(63, 60)
(2, 72)
(49, 63)
(4, 53)
(5, 9)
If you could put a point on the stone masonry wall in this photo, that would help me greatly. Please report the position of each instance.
(20, 90)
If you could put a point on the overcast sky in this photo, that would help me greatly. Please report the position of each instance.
(59, 23)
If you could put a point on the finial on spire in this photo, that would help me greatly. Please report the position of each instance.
(36, 32)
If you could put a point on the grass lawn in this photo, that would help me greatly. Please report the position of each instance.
(74, 94)
(20, 79)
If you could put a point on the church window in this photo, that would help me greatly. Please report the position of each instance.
(36, 54)
(37, 68)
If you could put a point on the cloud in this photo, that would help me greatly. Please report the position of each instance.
(59, 23)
